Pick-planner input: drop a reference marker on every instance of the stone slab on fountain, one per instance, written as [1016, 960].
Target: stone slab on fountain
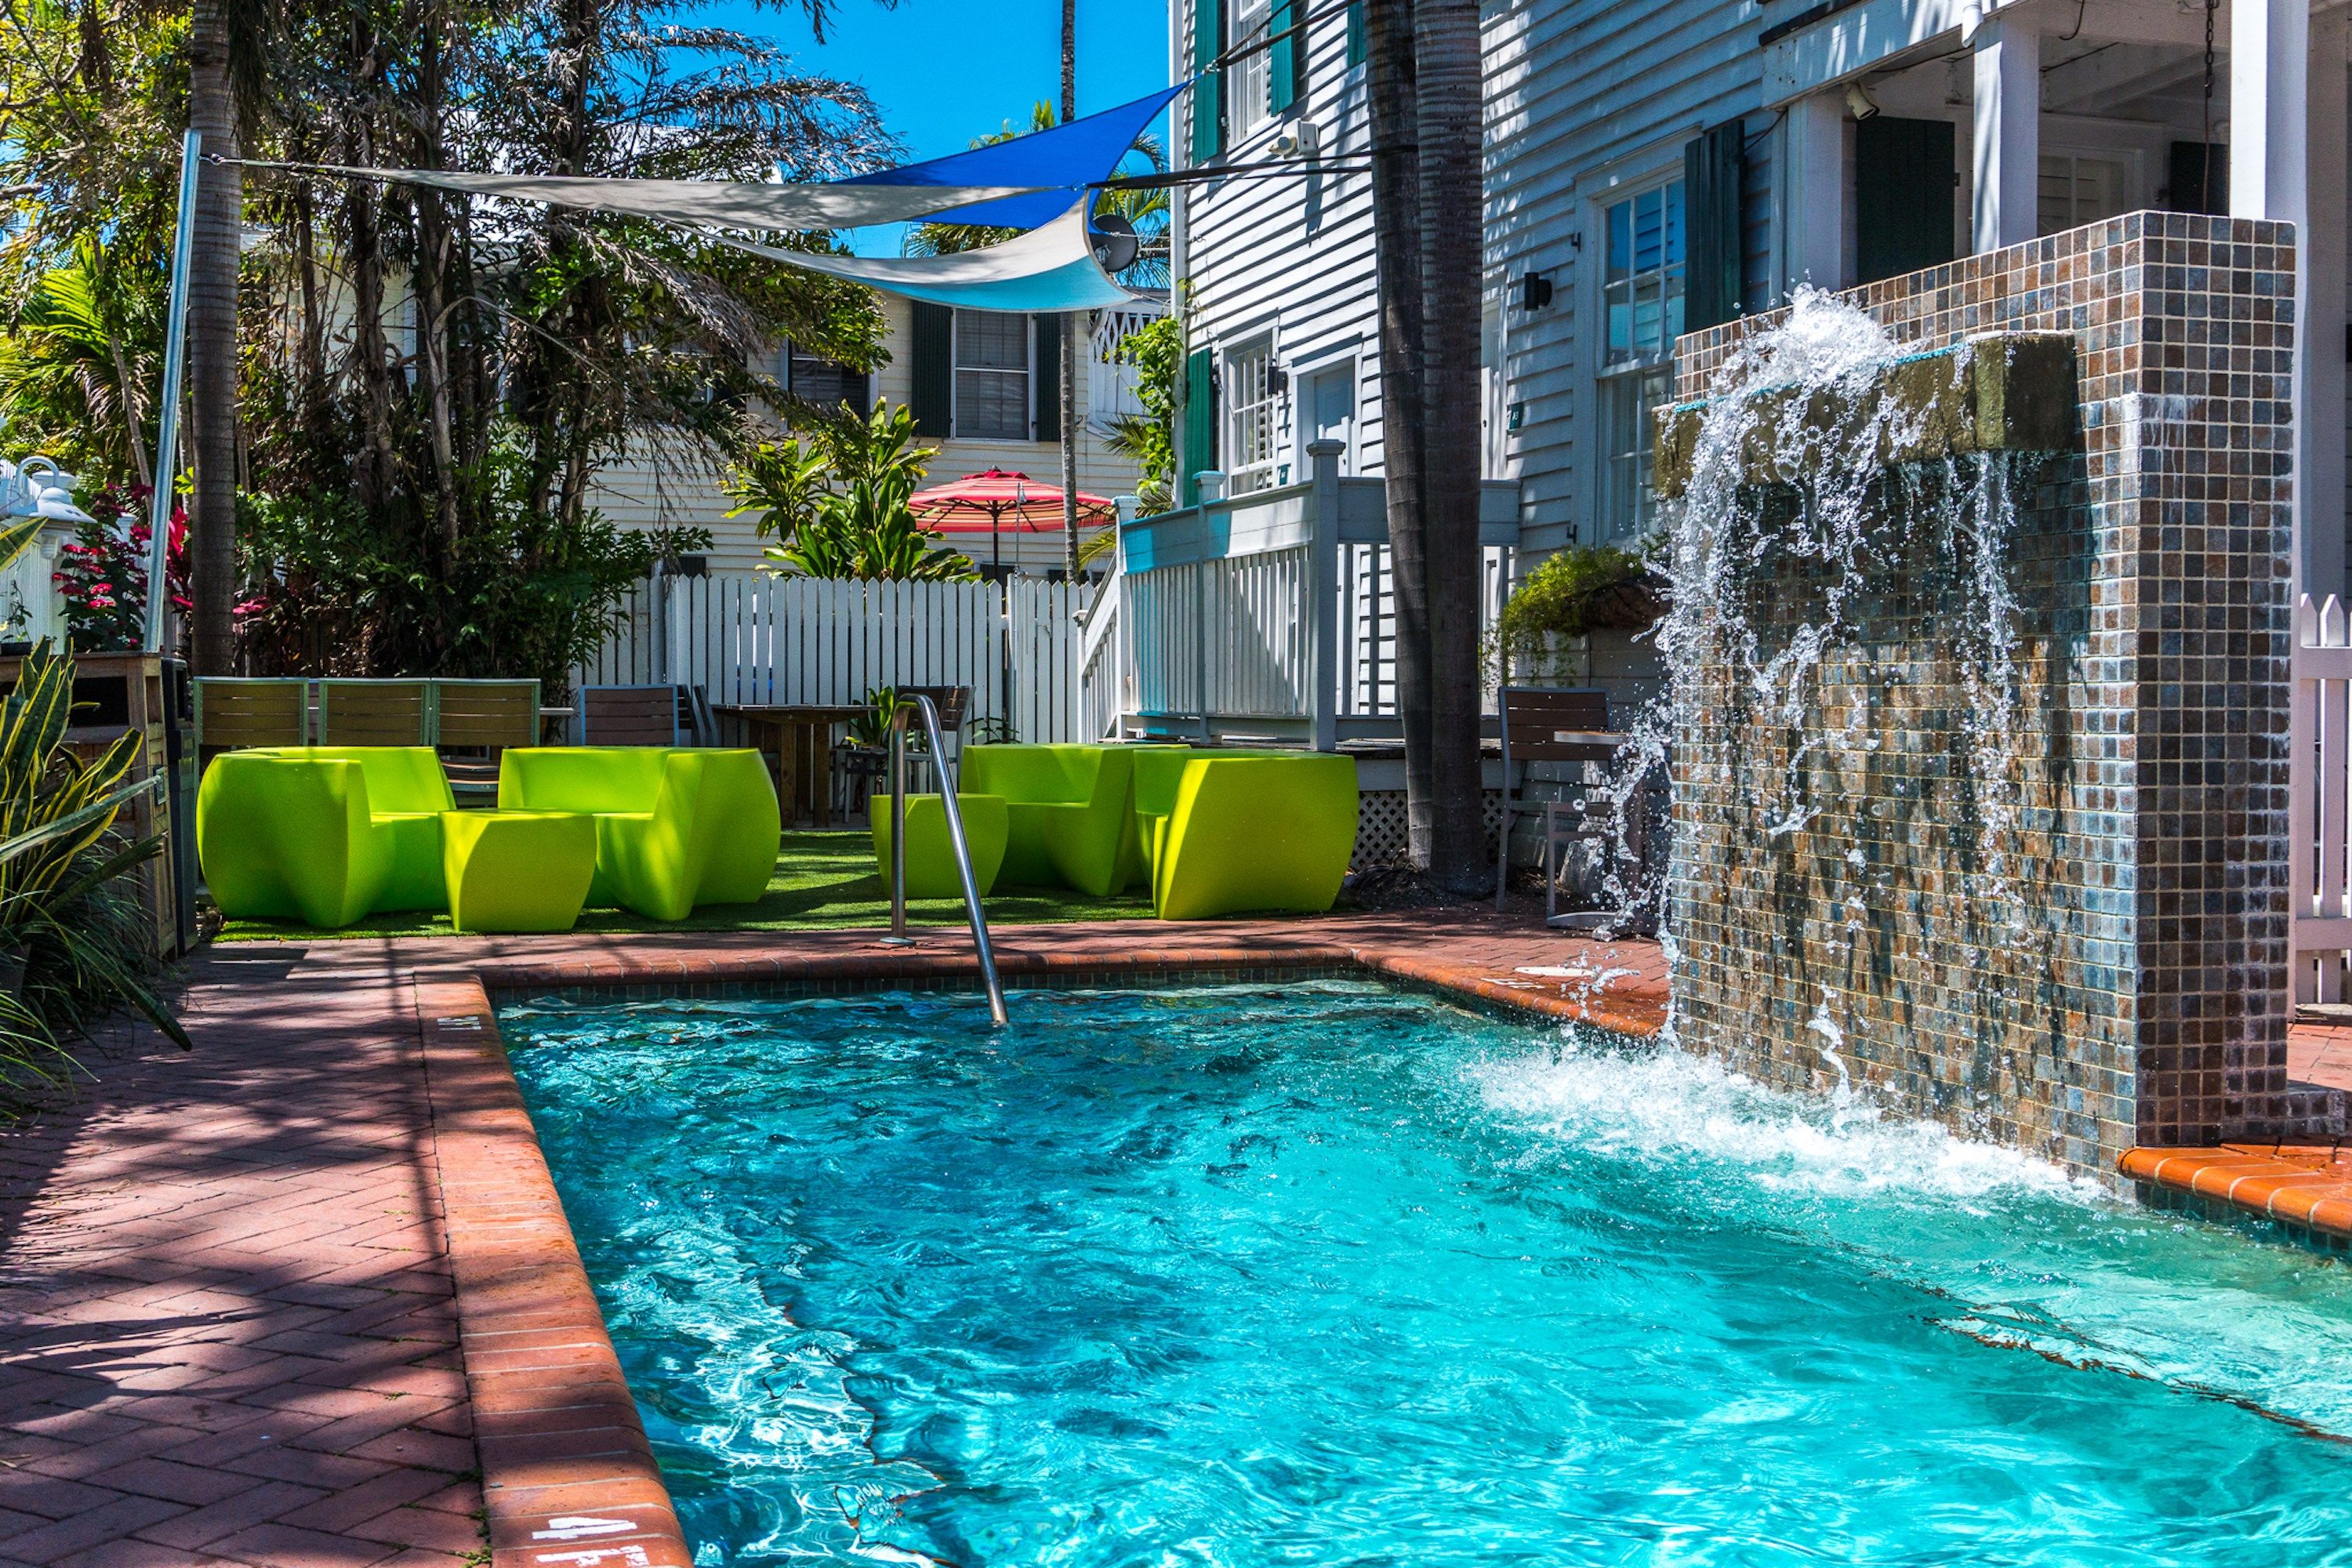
[2011, 392]
[2100, 964]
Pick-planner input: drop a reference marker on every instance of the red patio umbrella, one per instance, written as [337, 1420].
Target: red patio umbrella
[997, 503]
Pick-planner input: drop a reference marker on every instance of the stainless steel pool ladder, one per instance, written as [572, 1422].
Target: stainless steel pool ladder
[917, 703]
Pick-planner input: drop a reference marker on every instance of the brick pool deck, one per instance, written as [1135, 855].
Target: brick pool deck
[306, 1297]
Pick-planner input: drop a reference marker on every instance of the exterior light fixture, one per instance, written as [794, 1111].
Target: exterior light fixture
[1535, 292]
[1858, 101]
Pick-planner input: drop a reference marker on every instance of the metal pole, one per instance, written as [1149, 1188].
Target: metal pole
[898, 823]
[1069, 325]
[167, 430]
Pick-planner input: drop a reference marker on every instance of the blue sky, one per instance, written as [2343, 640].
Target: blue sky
[944, 72]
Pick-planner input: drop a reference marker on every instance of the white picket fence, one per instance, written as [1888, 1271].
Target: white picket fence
[2319, 795]
[750, 637]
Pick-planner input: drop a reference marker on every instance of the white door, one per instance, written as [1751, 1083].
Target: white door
[1331, 415]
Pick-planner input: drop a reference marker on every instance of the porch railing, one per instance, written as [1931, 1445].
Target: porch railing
[1271, 616]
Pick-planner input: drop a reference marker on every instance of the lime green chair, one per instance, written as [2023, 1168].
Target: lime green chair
[1066, 812]
[1157, 769]
[322, 834]
[677, 828]
[517, 870]
[930, 859]
[1268, 832]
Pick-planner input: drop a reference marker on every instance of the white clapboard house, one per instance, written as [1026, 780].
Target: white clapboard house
[1656, 167]
[985, 388]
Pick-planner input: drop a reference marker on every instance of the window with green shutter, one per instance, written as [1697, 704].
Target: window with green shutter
[1359, 48]
[1905, 172]
[931, 370]
[1715, 169]
[1209, 91]
[1049, 377]
[1200, 447]
[1287, 57]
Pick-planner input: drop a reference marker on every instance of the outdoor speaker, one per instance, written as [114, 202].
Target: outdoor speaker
[1115, 244]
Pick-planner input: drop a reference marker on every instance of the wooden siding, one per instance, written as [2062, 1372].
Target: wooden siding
[1289, 256]
[1581, 95]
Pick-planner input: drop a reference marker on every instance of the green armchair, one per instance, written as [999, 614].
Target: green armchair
[323, 833]
[1066, 812]
[676, 828]
[1263, 831]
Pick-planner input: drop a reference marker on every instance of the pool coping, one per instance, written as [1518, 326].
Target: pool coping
[2304, 1189]
[569, 1479]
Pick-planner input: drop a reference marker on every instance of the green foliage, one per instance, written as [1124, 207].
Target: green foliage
[837, 502]
[429, 386]
[1158, 354]
[77, 947]
[1557, 600]
[525, 591]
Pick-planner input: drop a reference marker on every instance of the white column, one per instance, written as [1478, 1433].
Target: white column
[2271, 115]
[2008, 131]
[1814, 236]
[2320, 289]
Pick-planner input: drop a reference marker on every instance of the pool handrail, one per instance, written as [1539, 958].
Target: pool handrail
[915, 703]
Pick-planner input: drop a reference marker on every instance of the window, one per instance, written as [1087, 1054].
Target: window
[991, 376]
[1642, 307]
[823, 381]
[2076, 190]
[1249, 399]
[1252, 75]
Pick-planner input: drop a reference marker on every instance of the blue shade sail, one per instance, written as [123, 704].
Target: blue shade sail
[1067, 158]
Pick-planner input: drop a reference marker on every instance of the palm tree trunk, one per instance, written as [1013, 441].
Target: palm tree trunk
[1069, 326]
[212, 344]
[1450, 117]
[1396, 246]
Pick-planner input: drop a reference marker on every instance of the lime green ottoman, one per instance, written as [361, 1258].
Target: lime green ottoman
[516, 870]
[930, 859]
[1250, 834]
[1066, 810]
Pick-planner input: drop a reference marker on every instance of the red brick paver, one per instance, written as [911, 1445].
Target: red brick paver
[233, 1286]
[226, 1327]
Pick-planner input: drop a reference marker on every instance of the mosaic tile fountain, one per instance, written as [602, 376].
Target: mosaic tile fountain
[1980, 659]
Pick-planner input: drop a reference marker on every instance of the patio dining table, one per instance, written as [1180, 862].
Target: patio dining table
[797, 739]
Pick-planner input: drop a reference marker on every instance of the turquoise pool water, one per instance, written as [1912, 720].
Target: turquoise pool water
[1328, 1274]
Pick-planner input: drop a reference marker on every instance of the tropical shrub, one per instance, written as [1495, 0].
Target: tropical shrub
[837, 502]
[102, 575]
[73, 946]
[1157, 351]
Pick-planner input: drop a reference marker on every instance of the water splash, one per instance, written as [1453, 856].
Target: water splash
[1791, 530]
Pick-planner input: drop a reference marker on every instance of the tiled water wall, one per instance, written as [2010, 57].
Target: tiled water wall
[2135, 994]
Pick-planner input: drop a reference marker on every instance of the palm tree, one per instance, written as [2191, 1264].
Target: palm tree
[1396, 245]
[1449, 115]
[211, 342]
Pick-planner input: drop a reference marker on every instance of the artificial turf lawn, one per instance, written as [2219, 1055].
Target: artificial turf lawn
[822, 881]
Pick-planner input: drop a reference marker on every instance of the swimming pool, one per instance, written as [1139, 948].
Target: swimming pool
[1329, 1273]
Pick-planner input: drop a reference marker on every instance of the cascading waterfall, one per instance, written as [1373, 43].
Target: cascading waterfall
[1792, 532]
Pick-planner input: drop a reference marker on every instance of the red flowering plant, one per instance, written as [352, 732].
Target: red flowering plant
[102, 574]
